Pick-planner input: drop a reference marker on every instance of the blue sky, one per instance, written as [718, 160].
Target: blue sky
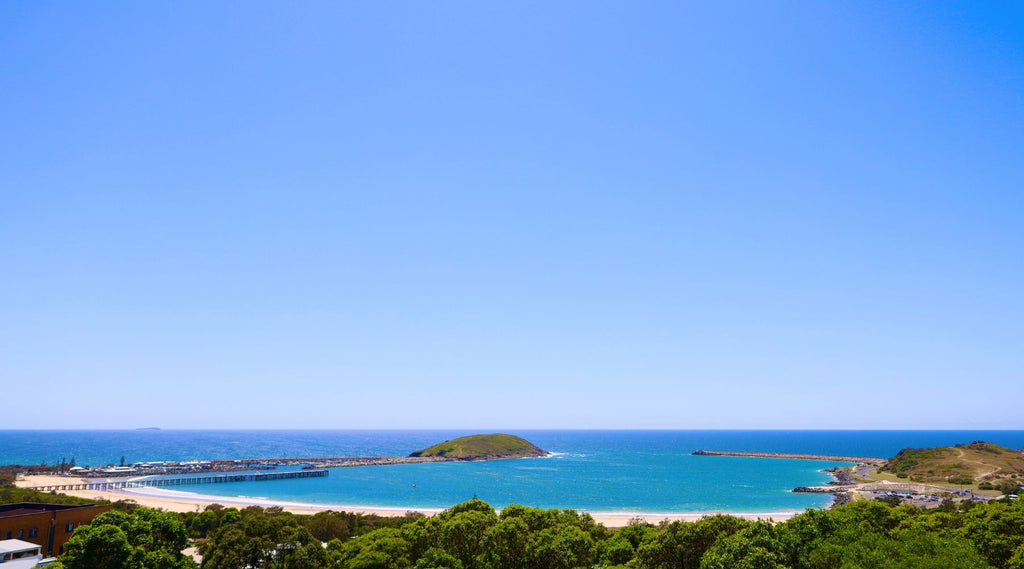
[512, 215]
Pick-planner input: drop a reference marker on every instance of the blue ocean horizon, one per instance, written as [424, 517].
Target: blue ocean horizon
[593, 470]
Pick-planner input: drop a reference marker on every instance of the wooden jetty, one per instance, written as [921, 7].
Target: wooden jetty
[325, 461]
[183, 480]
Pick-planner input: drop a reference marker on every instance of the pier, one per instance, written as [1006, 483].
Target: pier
[870, 460]
[326, 461]
[182, 480]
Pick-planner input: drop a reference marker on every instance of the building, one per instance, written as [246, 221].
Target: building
[18, 554]
[46, 525]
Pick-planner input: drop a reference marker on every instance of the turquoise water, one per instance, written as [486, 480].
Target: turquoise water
[602, 471]
[593, 482]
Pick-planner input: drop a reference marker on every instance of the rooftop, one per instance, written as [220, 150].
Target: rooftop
[16, 546]
[26, 508]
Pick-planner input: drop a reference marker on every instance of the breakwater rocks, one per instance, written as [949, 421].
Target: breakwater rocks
[818, 490]
[840, 494]
[840, 498]
[842, 476]
[872, 460]
[843, 480]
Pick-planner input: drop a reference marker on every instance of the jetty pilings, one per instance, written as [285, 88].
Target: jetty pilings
[183, 480]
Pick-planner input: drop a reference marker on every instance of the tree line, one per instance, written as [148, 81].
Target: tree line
[472, 535]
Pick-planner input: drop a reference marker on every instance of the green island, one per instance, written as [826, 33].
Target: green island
[483, 447]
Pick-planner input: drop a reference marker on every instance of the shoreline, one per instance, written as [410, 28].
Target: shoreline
[179, 501]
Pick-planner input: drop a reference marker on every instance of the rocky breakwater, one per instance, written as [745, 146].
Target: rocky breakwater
[869, 460]
[842, 479]
[840, 494]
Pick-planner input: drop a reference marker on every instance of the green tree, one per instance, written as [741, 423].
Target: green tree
[804, 533]
[534, 518]
[98, 547]
[422, 536]
[381, 549]
[153, 538]
[682, 545]
[309, 556]
[437, 559]
[167, 531]
[996, 529]
[462, 533]
[229, 516]
[561, 547]
[292, 548]
[505, 544]
[755, 547]
[1017, 561]
[231, 548]
[202, 524]
[615, 552]
[326, 526]
[914, 549]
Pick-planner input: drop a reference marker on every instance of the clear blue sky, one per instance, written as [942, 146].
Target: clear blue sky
[512, 215]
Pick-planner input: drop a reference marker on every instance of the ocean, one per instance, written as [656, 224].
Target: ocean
[597, 471]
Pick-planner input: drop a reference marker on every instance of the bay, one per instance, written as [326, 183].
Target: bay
[600, 471]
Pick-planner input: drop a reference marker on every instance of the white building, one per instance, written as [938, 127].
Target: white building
[17, 554]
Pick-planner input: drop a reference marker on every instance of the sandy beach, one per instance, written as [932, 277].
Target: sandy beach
[177, 501]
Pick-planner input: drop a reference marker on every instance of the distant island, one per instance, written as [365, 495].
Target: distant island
[482, 447]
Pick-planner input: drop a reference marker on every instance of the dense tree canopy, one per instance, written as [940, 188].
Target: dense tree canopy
[141, 539]
[472, 535]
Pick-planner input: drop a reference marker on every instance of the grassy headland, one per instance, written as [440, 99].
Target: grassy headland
[973, 463]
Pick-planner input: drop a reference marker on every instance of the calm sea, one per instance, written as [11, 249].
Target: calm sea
[601, 471]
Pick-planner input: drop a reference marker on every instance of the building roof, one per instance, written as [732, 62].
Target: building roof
[24, 508]
[26, 563]
[16, 546]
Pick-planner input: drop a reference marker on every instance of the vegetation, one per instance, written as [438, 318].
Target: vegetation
[863, 534]
[483, 447]
[324, 526]
[142, 539]
[961, 464]
[10, 494]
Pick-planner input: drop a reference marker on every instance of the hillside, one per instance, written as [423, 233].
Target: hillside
[483, 447]
[976, 462]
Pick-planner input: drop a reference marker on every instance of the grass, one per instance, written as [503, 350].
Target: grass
[889, 476]
[480, 447]
[977, 461]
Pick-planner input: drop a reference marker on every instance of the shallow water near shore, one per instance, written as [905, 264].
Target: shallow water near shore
[600, 471]
[592, 482]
